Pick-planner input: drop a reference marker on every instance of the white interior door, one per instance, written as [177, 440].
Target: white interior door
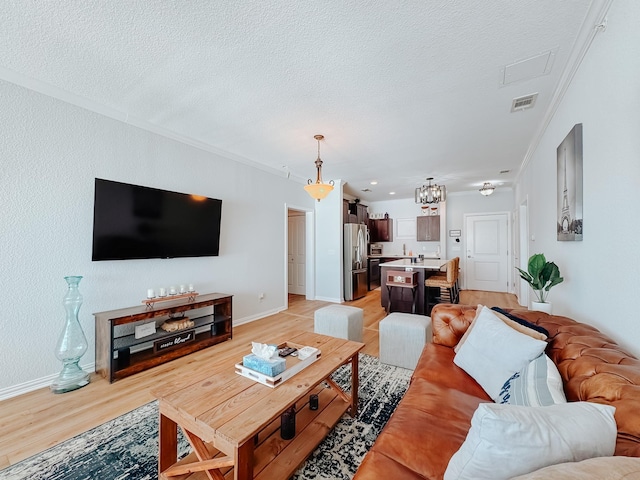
[487, 259]
[296, 264]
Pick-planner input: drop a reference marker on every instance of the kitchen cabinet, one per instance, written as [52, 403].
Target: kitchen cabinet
[360, 211]
[381, 230]
[428, 228]
[345, 211]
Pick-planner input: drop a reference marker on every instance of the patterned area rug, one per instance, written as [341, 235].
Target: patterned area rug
[127, 447]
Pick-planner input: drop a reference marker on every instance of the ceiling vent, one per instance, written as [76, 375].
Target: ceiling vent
[522, 103]
[528, 68]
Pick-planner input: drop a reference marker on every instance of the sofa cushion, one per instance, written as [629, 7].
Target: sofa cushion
[427, 428]
[508, 440]
[493, 352]
[539, 384]
[601, 468]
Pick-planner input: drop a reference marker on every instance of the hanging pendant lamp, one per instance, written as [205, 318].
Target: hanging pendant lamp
[318, 190]
[430, 193]
[487, 189]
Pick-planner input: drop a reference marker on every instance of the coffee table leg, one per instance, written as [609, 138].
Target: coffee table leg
[168, 443]
[353, 410]
[243, 469]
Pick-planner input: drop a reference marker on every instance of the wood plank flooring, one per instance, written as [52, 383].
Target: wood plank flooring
[38, 420]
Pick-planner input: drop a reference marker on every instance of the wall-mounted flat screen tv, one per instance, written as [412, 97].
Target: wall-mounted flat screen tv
[132, 222]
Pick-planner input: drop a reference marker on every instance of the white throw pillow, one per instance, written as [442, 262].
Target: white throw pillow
[539, 384]
[493, 352]
[508, 440]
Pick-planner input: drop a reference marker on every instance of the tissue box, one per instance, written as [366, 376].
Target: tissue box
[271, 367]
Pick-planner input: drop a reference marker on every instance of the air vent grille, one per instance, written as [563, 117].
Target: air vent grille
[522, 103]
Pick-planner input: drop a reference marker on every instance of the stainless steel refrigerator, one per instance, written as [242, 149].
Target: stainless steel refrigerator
[355, 261]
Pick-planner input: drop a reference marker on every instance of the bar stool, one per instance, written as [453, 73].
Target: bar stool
[447, 284]
[442, 274]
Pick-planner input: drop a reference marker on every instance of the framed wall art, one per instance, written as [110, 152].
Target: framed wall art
[569, 174]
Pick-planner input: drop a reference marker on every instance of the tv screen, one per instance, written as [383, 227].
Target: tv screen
[131, 222]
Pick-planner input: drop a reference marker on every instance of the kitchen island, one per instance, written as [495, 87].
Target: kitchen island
[402, 298]
[375, 260]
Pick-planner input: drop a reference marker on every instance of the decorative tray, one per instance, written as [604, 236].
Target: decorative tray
[294, 365]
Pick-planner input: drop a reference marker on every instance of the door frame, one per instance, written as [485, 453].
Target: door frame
[310, 264]
[523, 244]
[509, 244]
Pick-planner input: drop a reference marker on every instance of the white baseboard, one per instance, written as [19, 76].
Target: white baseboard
[31, 385]
[328, 299]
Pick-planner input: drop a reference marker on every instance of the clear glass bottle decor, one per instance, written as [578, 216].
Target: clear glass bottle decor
[72, 343]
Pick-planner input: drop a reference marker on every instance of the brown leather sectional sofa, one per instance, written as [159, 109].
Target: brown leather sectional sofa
[432, 420]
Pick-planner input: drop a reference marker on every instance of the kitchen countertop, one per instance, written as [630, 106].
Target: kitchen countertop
[427, 263]
[427, 257]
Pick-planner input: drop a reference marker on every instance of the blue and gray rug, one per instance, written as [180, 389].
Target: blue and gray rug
[127, 447]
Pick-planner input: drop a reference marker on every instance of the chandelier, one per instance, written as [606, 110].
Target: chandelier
[431, 193]
[487, 189]
[318, 190]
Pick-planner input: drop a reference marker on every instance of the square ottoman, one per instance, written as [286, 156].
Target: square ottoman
[339, 321]
[402, 338]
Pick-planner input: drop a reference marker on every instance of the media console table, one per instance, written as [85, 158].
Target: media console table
[120, 354]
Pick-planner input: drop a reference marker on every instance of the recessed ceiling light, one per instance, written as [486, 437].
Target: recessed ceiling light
[392, 193]
[374, 182]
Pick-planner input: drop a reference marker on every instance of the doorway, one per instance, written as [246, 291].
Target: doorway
[299, 246]
[296, 252]
[487, 252]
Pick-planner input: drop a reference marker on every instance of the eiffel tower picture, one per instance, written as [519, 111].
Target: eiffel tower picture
[569, 175]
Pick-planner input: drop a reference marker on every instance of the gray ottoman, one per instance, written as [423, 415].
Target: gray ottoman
[402, 338]
[339, 321]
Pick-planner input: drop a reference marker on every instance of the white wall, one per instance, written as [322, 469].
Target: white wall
[328, 252]
[601, 272]
[51, 153]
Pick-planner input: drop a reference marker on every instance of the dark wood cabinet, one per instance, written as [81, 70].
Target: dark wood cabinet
[360, 211]
[345, 211]
[381, 230]
[428, 228]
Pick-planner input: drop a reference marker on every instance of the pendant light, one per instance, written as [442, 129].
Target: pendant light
[318, 190]
[487, 189]
[431, 193]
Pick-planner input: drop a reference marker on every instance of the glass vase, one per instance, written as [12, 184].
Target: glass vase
[72, 343]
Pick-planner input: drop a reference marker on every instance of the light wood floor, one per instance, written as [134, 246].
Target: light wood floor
[33, 422]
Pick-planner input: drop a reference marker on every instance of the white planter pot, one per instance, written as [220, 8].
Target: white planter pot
[541, 307]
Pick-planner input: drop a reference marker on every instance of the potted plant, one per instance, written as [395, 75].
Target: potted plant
[541, 275]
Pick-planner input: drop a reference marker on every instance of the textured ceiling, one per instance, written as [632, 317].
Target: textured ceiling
[401, 90]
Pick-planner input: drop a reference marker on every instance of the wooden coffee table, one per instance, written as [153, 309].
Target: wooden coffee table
[233, 422]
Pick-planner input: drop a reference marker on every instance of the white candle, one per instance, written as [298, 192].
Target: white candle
[151, 293]
[183, 289]
[172, 290]
[191, 289]
[163, 292]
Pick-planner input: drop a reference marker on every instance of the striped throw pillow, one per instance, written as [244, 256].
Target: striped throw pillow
[539, 384]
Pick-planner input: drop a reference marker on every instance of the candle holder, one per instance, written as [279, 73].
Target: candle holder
[191, 296]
